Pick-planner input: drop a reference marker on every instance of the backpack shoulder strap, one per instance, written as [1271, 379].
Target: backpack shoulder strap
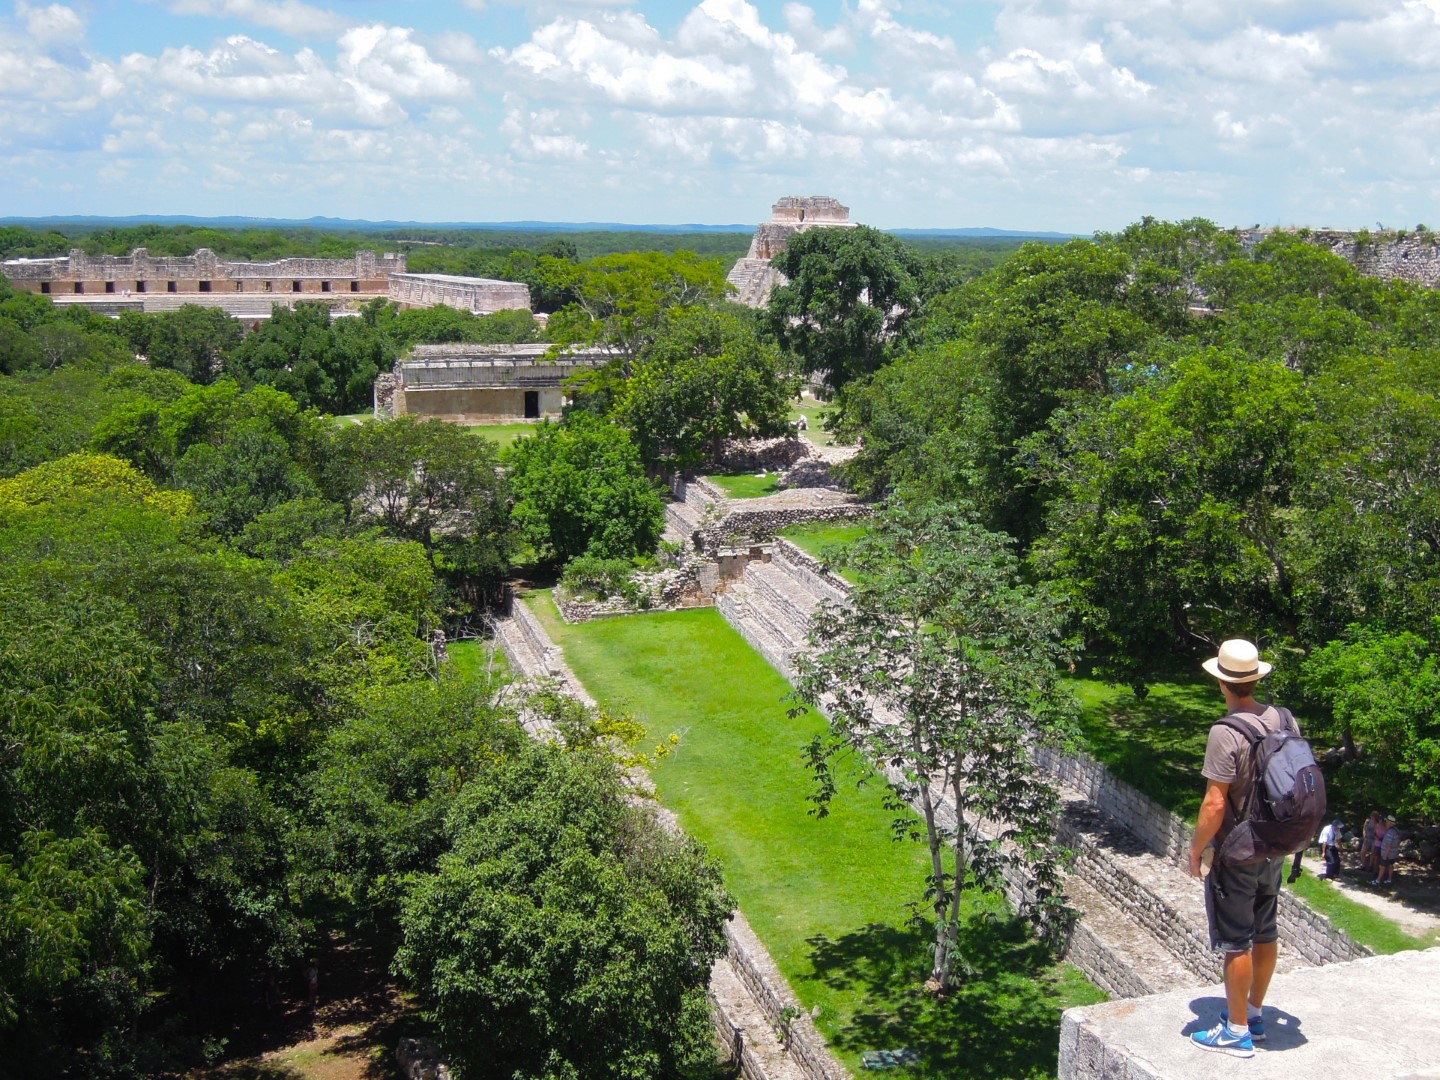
[1244, 726]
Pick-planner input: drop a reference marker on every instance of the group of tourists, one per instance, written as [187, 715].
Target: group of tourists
[1379, 847]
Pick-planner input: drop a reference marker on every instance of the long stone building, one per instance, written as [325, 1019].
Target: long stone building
[753, 277]
[141, 274]
[481, 384]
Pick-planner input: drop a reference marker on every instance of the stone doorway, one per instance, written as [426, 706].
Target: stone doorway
[532, 404]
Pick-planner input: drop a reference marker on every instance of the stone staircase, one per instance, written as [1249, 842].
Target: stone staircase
[1142, 927]
[753, 279]
[687, 515]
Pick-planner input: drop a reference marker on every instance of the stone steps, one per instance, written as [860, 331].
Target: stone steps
[1165, 946]
[736, 607]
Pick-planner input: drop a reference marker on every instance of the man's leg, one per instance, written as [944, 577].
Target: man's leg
[1239, 976]
[1262, 964]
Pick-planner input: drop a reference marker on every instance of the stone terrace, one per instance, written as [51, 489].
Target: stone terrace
[1142, 916]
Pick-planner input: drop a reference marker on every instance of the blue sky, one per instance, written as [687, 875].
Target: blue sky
[1069, 115]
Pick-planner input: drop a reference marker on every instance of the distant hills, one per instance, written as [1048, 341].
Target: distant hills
[353, 225]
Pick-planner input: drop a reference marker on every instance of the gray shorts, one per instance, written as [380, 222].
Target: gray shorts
[1241, 902]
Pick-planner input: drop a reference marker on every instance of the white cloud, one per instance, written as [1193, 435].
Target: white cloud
[800, 19]
[288, 16]
[385, 58]
[53, 25]
[541, 134]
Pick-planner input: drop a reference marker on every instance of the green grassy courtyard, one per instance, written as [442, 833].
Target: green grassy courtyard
[827, 896]
[746, 485]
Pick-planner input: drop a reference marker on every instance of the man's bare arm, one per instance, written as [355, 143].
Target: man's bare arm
[1212, 816]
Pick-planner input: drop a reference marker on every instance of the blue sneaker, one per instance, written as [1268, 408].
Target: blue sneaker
[1257, 1025]
[1220, 1040]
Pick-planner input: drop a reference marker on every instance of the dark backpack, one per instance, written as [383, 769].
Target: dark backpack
[1286, 801]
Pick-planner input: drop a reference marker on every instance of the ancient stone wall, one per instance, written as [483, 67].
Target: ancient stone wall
[202, 272]
[1391, 256]
[478, 295]
[741, 526]
[384, 396]
[665, 590]
[469, 384]
[752, 963]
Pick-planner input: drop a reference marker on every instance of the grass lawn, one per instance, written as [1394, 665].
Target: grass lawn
[818, 538]
[502, 435]
[473, 658]
[827, 896]
[821, 540]
[814, 413]
[1158, 745]
[355, 418]
[746, 485]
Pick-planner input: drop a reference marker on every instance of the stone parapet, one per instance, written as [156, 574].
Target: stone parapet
[768, 988]
[741, 526]
[481, 296]
[202, 272]
[1320, 1022]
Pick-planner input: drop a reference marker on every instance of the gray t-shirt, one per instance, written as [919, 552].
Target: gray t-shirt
[1227, 760]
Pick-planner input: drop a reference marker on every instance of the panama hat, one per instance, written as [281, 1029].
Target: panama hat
[1238, 662]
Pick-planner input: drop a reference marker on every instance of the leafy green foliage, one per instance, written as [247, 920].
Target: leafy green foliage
[430, 482]
[566, 934]
[1381, 694]
[330, 365]
[1172, 509]
[705, 377]
[848, 301]
[580, 489]
[193, 340]
[943, 669]
[621, 300]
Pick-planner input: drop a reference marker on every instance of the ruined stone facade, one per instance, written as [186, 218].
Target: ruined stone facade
[753, 277]
[1390, 256]
[480, 296]
[140, 274]
[481, 384]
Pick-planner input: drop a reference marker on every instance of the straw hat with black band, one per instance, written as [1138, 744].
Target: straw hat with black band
[1239, 662]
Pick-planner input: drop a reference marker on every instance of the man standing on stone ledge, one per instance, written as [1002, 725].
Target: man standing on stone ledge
[1240, 901]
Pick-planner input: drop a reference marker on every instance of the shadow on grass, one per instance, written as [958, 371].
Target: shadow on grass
[1158, 744]
[1003, 1021]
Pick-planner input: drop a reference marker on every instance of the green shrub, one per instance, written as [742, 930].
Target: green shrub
[592, 577]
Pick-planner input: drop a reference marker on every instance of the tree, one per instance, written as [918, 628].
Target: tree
[388, 776]
[320, 363]
[565, 934]
[846, 305]
[1381, 694]
[943, 670]
[580, 489]
[249, 473]
[1363, 539]
[431, 482]
[192, 340]
[621, 299]
[1168, 510]
[706, 377]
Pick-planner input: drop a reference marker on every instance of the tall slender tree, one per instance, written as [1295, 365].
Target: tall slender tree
[942, 670]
